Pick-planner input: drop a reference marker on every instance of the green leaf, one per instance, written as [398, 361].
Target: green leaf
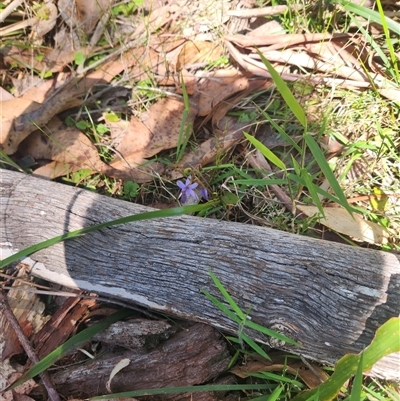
[312, 190]
[131, 189]
[79, 58]
[255, 346]
[177, 211]
[386, 341]
[370, 15]
[227, 297]
[261, 181]
[357, 384]
[4, 158]
[265, 151]
[324, 166]
[222, 307]
[228, 198]
[271, 333]
[69, 345]
[82, 125]
[186, 389]
[284, 90]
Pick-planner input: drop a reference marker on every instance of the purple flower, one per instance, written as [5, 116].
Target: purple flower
[189, 194]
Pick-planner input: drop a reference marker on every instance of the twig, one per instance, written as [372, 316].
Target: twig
[262, 12]
[9, 9]
[5, 307]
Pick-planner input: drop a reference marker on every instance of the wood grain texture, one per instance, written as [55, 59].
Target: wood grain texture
[329, 297]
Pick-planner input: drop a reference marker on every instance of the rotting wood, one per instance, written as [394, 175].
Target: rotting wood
[329, 297]
[193, 356]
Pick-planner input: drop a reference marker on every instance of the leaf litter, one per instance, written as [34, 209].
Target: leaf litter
[168, 44]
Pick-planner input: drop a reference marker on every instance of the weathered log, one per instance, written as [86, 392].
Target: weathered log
[329, 297]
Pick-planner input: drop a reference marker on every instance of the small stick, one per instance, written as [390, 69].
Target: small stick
[8, 313]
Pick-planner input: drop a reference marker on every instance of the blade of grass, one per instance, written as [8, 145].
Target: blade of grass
[324, 166]
[187, 389]
[255, 346]
[7, 160]
[284, 90]
[269, 332]
[279, 129]
[369, 14]
[385, 342]
[265, 151]
[185, 129]
[358, 379]
[261, 181]
[221, 307]
[389, 43]
[137, 217]
[311, 189]
[71, 344]
[227, 297]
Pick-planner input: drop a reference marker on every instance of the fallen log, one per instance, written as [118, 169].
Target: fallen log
[328, 297]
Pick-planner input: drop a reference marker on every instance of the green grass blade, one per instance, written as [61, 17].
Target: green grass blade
[265, 151]
[261, 181]
[369, 14]
[275, 394]
[227, 297]
[7, 160]
[269, 332]
[71, 344]
[186, 389]
[284, 90]
[129, 219]
[255, 346]
[321, 191]
[357, 384]
[389, 42]
[279, 129]
[324, 166]
[222, 307]
[185, 129]
[312, 190]
[385, 342]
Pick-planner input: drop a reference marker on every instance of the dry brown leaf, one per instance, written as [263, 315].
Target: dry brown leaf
[11, 137]
[23, 116]
[54, 170]
[205, 153]
[146, 62]
[47, 18]
[213, 90]
[41, 24]
[27, 308]
[62, 144]
[126, 170]
[42, 90]
[339, 219]
[41, 58]
[83, 14]
[157, 130]
[269, 28]
[312, 378]
[323, 61]
[276, 42]
[5, 95]
[197, 52]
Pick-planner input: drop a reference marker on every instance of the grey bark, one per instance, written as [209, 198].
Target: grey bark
[329, 297]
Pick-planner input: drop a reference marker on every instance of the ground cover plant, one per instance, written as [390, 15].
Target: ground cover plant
[282, 115]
